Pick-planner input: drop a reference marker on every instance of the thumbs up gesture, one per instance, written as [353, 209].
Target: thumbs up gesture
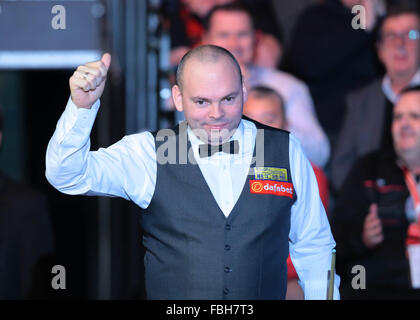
[88, 81]
[372, 228]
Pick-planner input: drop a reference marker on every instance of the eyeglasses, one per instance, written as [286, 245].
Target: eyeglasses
[391, 37]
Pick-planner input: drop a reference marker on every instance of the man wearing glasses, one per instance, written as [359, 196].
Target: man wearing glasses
[369, 111]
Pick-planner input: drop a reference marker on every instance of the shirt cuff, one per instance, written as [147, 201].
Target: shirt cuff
[76, 111]
[75, 118]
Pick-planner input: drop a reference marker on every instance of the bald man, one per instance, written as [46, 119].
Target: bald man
[224, 198]
[266, 105]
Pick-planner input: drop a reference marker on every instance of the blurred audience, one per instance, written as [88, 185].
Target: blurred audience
[231, 26]
[25, 239]
[375, 208]
[266, 106]
[187, 19]
[332, 57]
[287, 13]
[369, 110]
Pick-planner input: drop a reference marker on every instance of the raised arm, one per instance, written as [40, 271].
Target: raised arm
[126, 169]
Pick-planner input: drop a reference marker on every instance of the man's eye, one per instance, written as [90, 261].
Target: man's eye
[415, 116]
[200, 102]
[229, 99]
[244, 34]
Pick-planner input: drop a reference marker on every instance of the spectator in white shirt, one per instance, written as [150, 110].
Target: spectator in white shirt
[231, 26]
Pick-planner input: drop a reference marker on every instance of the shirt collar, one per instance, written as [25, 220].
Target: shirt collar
[387, 88]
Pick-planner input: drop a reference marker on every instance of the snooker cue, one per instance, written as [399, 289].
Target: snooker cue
[331, 280]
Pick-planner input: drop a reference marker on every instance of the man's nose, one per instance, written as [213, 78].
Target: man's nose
[400, 41]
[404, 122]
[232, 43]
[216, 111]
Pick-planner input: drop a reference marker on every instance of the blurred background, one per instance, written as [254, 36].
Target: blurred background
[98, 240]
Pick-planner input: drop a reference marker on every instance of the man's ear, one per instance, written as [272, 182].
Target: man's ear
[177, 96]
[244, 93]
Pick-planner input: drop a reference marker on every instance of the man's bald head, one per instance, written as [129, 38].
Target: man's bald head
[210, 92]
[266, 105]
[205, 54]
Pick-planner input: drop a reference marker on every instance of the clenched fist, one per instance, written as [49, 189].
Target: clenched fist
[88, 81]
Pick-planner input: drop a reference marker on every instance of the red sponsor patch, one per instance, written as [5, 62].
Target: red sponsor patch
[271, 187]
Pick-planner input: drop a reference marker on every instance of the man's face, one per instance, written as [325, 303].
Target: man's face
[406, 125]
[212, 99]
[234, 32]
[266, 110]
[399, 49]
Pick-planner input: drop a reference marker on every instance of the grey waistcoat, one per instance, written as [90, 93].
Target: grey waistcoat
[194, 252]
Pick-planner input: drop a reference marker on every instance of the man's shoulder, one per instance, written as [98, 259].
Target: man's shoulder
[139, 137]
[373, 88]
[268, 129]
[176, 129]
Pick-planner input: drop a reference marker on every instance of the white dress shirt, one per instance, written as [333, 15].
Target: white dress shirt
[128, 169]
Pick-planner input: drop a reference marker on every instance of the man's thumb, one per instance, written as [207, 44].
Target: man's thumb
[373, 208]
[106, 59]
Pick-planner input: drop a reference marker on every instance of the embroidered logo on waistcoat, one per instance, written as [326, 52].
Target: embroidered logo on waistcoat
[271, 187]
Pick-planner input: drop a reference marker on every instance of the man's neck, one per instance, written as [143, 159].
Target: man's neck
[415, 170]
[413, 165]
[400, 81]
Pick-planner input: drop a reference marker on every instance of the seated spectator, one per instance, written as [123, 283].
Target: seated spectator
[25, 240]
[375, 208]
[332, 58]
[266, 106]
[231, 26]
[186, 29]
[186, 25]
[369, 110]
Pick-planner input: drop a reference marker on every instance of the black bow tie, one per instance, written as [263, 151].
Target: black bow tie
[207, 150]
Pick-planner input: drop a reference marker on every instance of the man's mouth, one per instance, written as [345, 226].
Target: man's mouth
[406, 134]
[216, 126]
[400, 57]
